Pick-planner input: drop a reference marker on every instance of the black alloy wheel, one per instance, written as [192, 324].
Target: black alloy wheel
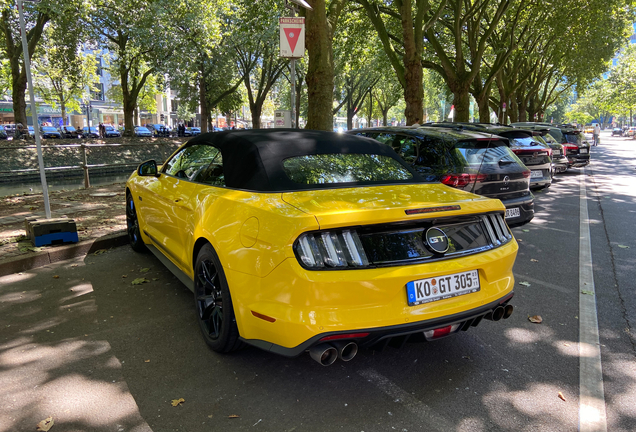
[132, 223]
[214, 304]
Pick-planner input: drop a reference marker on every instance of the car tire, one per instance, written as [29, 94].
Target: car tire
[132, 224]
[213, 303]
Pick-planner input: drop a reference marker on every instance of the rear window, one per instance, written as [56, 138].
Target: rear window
[485, 152]
[344, 168]
[574, 138]
[523, 142]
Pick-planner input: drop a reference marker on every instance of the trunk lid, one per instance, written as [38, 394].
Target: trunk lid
[383, 204]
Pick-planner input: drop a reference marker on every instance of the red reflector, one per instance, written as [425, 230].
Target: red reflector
[442, 331]
[344, 336]
[263, 317]
[526, 174]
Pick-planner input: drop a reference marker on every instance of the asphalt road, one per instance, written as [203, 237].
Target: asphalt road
[100, 354]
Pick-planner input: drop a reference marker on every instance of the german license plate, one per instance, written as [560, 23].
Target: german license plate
[583, 151]
[536, 174]
[557, 152]
[442, 287]
[513, 212]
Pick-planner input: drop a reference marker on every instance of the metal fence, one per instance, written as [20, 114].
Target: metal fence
[21, 161]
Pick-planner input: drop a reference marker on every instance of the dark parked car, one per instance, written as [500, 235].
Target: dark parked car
[111, 132]
[559, 160]
[93, 133]
[617, 132]
[533, 153]
[3, 133]
[192, 131]
[49, 132]
[472, 161]
[141, 131]
[576, 146]
[158, 130]
[68, 132]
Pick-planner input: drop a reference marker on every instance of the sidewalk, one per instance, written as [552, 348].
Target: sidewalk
[99, 213]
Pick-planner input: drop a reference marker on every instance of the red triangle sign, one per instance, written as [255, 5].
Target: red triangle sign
[292, 35]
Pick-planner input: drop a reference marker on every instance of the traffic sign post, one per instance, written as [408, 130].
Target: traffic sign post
[292, 45]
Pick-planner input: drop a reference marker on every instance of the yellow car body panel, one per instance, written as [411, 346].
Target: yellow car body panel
[253, 234]
[383, 204]
[306, 303]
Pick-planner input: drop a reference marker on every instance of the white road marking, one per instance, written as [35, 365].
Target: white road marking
[592, 416]
[432, 420]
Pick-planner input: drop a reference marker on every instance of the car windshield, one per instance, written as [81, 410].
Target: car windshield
[93, 129]
[142, 129]
[344, 168]
[48, 129]
[109, 128]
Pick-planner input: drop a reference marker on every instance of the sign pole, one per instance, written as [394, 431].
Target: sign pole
[34, 114]
[293, 93]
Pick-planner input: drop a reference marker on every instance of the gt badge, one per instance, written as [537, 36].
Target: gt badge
[436, 240]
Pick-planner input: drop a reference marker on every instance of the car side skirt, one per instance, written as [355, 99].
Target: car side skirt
[383, 336]
[176, 271]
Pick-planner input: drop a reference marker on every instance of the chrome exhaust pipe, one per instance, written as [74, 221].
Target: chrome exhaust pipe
[508, 311]
[324, 354]
[347, 350]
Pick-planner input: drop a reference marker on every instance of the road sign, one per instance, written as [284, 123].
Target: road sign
[292, 37]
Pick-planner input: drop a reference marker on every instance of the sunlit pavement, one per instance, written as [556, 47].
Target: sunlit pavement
[100, 354]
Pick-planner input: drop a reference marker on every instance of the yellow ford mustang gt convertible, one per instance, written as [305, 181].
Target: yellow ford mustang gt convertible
[296, 241]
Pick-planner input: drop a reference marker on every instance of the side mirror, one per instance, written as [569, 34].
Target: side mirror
[148, 168]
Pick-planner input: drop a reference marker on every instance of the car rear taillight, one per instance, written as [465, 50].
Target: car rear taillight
[541, 152]
[570, 147]
[331, 249]
[461, 180]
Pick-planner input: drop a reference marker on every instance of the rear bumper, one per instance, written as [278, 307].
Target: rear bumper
[305, 306]
[396, 336]
[526, 209]
[578, 160]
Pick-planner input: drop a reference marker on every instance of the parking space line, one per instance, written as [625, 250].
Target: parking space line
[592, 415]
[432, 420]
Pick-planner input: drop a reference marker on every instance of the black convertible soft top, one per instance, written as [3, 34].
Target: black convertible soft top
[253, 159]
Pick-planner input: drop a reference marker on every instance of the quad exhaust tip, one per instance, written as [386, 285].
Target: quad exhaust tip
[347, 350]
[324, 354]
[500, 312]
[327, 354]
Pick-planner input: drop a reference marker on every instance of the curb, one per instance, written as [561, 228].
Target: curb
[61, 253]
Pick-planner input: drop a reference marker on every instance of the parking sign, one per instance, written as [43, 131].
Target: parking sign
[292, 37]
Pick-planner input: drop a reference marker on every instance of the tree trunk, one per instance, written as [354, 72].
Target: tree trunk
[385, 117]
[19, 100]
[514, 109]
[319, 43]
[256, 109]
[370, 113]
[413, 72]
[461, 100]
[63, 110]
[203, 101]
